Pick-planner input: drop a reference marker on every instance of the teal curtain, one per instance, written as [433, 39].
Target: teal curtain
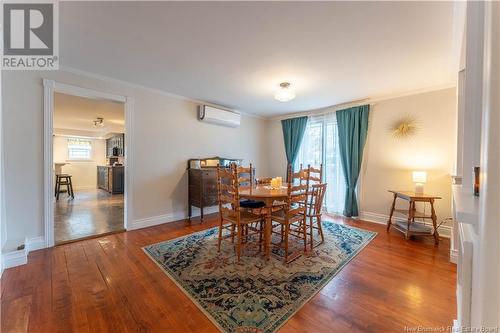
[293, 133]
[352, 128]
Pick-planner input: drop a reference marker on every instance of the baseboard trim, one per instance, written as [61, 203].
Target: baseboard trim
[454, 256]
[14, 258]
[35, 243]
[375, 217]
[444, 230]
[167, 218]
[155, 220]
[20, 257]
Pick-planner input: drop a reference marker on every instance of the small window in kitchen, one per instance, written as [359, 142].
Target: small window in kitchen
[79, 149]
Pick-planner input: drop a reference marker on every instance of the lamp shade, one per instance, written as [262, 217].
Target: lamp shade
[419, 177]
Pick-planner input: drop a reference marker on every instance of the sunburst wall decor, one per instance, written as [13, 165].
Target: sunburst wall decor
[404, 127]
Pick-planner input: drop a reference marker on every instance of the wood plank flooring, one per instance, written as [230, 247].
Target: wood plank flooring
[108, 284]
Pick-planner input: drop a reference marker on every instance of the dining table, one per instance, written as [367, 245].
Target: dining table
[269, 196]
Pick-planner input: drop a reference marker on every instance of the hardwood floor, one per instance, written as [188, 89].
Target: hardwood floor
[108, 284]
[91, 212]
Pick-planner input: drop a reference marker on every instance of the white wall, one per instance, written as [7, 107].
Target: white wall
[166, 134]
[84, 173]
[3, 224]
[276, 149]
[387, 162]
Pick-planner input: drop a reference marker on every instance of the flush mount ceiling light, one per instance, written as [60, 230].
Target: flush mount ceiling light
[99, 122]
[285, 92]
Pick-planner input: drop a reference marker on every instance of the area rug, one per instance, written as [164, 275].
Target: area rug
[255, 295]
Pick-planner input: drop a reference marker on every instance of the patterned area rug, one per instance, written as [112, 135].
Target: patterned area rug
[256, 295]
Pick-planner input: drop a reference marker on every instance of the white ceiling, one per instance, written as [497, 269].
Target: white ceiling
[75, 115]
[236, 53]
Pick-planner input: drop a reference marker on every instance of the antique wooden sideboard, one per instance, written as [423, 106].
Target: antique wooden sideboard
[202, 182]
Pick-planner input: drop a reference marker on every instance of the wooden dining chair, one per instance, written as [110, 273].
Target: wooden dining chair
[246, 180]
[314, 206]
[291, 220]
[241, 224]
[314, 175]
[245, 175]
[299, 176]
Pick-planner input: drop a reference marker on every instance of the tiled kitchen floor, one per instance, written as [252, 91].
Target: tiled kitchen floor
[92, 212]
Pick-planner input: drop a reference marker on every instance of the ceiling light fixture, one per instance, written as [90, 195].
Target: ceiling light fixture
[285, 92]
[99, 122]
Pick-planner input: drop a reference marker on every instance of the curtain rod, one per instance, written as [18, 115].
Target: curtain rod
[328, 109]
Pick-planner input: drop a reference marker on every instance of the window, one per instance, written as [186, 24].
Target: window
[321, 146]
[79, 149]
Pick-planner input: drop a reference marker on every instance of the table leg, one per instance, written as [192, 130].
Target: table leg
[268, 232]
[411, 212]
[268, 227]
[434, 223]
[392, 212]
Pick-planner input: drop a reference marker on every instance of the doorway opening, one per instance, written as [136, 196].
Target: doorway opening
[87, 162]
[89, 173]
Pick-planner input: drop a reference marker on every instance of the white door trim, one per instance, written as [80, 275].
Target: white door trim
[49, 88]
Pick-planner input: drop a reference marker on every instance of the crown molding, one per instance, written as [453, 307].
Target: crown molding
[368, 100]
[108, 79]
[330, 108]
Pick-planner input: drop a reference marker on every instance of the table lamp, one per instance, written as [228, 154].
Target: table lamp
[419, 178]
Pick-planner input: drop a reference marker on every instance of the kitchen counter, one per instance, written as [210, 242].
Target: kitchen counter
[111, 178]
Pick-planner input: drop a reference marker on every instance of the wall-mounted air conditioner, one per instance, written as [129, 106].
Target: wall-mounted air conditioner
[210, 114]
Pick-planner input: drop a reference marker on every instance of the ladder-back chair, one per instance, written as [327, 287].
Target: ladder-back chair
[240, 223]
[313, 213]
[292, 218]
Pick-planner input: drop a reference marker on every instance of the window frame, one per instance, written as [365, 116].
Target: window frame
[72, 147]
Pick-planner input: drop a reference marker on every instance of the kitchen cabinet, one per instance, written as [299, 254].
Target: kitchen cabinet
[111, 178]
[117, 141]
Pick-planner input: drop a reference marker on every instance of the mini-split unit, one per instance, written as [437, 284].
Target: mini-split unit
[213, 115]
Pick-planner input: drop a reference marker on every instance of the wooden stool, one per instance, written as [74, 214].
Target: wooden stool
[411, 213]
[61, 180]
